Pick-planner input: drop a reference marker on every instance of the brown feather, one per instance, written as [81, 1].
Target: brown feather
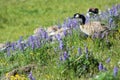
[92, 27]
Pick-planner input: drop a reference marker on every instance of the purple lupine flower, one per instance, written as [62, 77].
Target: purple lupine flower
[79, 51]
[39, 32]
[37, 42]
[74, 23]
[105, 15]
[110, 12]
[31, 42]
[115, 71]
[87, 19]
[115, 11]
[58, 37]
[70, 23]
[65, 55]
[65, 32]
[42, 34]
[20, 45]
[46, 35]
[13, 46]
[61, 58]
[61, 45]
[108, 60]
[100, 67]
[8, 51]
[110, 22]
[30, 76]
[118, 7]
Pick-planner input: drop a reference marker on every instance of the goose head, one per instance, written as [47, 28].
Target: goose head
[80, 17]
[92, 12]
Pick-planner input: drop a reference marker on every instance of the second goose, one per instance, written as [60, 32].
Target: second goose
[91, 27]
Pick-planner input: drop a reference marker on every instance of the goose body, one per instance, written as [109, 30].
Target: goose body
[52, 29]
[91, 27]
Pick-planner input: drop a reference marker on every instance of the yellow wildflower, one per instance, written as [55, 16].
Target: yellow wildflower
[17, 76]
[7, 74]
[12, 78]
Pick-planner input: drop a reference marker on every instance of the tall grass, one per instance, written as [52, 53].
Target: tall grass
[21, 17]
[74, 57]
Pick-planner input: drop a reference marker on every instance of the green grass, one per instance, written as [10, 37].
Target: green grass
[21, 17]
[48, 65]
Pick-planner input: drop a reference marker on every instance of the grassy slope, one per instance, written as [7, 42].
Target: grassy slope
[21, 17]
[31, 17]
[47, 61]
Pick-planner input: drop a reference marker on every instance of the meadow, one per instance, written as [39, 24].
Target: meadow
[75, 57]
[21, 17]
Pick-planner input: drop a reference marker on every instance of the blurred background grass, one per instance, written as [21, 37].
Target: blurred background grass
[21, 17]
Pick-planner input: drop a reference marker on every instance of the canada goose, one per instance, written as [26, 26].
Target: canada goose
[52, 29]
[93, 12]
[91, 27]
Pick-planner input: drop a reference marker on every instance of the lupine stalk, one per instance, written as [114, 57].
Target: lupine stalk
[58, 37]
[61, 45]
[100, 67]
[115, 71]
[30, 76]
[65, 55]
[8, 51]
[108, 60]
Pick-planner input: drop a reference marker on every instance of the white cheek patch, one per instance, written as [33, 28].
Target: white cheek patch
[77, 16]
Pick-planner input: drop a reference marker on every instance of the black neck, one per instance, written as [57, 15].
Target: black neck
[83, 19]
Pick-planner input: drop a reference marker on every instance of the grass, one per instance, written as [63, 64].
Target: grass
[20, 18]
[47, 59]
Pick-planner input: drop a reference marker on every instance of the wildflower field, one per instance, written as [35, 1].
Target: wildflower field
[72, 57]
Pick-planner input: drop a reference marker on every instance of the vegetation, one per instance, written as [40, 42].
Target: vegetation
[71, 58]
[21, 17]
